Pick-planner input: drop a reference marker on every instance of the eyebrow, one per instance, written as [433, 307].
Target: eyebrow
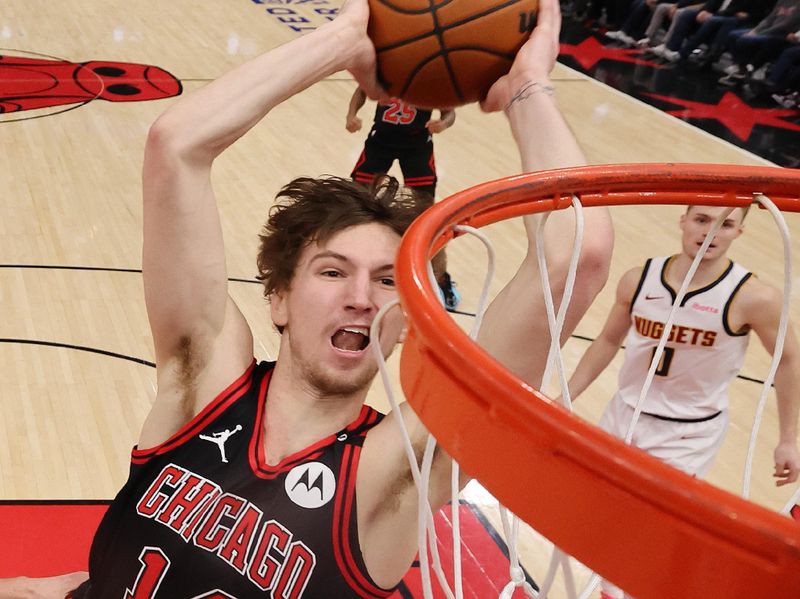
[328, 254]
[342, 258]
[728, 219]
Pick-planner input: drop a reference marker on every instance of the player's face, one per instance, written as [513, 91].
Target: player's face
[696, 224]
[337, 290]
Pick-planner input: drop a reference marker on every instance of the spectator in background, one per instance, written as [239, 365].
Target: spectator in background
[762, 43]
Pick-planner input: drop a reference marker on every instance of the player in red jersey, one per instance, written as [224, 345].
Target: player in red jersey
[253, 478]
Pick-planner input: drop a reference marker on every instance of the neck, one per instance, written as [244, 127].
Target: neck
[707, 271]
[298, 414]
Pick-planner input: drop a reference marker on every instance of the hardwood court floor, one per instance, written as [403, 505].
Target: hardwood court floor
[75, 350]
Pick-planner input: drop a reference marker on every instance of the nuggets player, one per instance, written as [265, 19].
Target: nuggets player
[685, 417]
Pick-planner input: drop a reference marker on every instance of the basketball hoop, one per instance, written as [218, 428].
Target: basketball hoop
[696, 540]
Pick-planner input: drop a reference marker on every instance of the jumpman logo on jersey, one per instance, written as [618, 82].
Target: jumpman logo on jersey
[221, 438]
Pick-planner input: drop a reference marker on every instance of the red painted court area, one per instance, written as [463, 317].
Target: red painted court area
[53, 537]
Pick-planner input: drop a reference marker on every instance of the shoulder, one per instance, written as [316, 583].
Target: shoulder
[633, 274]
[755, 295]
[756, 300]
[629, 282]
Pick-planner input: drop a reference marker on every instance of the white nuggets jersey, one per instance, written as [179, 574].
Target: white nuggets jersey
[702, 354]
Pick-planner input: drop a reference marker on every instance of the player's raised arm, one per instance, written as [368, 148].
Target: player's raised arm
[385, 531]
[515, 330]
[201, 340]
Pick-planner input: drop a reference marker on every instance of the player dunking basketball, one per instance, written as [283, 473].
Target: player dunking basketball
[316, 500]
[685, 413]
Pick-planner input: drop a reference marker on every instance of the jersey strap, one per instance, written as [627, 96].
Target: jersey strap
[223, 401]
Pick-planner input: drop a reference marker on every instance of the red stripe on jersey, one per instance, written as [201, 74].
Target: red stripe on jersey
[361, 160]
[366, 416]
[426, 178]
[219, 404]
[342, 512]
[258, 461]
[371, 418]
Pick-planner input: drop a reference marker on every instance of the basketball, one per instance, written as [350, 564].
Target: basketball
[445, 53]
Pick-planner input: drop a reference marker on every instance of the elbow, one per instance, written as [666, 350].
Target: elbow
[164, 142]
[593, 266]
[596, 250]
[170, 139]
[595, 261]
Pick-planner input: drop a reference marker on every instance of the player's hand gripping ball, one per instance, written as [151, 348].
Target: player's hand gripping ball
[445, 53]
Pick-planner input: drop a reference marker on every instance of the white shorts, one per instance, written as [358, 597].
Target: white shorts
[687, 446]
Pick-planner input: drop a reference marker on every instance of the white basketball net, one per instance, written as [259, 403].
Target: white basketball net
[559, 559]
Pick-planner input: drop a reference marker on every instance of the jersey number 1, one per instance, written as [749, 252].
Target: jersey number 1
[666, 361]
[154, 566]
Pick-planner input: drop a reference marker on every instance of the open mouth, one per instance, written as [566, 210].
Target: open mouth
[351, 339]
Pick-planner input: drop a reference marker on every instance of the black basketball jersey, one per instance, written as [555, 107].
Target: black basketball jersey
[398, 124]
[203, 515]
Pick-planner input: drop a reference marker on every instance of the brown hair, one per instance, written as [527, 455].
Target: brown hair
[310, 210]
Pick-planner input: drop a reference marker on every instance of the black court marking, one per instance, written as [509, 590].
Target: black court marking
[92, 350]
[232, 279]
[104, 269]
[139, 270]
[461, 312]
[41, 116]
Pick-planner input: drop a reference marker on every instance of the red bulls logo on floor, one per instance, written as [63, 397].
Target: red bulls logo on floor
[31, 83]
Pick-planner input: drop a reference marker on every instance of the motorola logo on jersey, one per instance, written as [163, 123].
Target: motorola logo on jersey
[310, 485]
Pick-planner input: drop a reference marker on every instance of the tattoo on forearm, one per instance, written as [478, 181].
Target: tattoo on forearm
[529, 89]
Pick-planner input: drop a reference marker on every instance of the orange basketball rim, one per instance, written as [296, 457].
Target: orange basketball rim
[654, 531]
